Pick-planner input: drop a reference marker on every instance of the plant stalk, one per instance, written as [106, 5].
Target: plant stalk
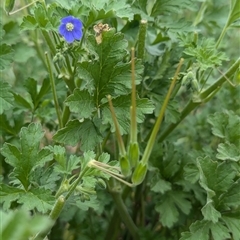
[157, 125]
[125, 215]
[58, 111]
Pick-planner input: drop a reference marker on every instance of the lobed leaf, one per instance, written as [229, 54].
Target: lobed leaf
[228, 151]
[6, 97]
[6, 56]
[169, 205]
[75, 132]
[28, 157]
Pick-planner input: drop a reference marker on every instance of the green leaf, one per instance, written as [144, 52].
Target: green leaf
[226, 125]
[215, 178]
[2, 31]
[31, 85]
[158, 184]
[64, 165]
[8, 195]
[6, 56]
[228, 151]
[191, 173]
[29, 23]
[23, 102]
[92, 202]
[106, 9]
[169, 205]
[40, 199]
[210, 213]
[200, 230]
[42, 18]
[6, 97]
[81, 102]
[59, 154]
[234, 12]
[24, 225]
[233, 224]
[11, 126]
[232, 196]
[28, 157]
[108, 74]
[219, 231]
[206, 54]
[79, 132]
[162, 7]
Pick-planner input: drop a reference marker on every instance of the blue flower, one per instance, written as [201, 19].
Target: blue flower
[71, 29]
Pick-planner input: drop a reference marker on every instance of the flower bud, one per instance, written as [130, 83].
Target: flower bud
[139, 173]
[194, 85]
[125, 166]
[133, 154]
[9, 4]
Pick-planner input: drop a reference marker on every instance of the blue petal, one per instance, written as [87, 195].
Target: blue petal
[77, 23]
[77, 33]
[67, 19]
[62, 29]
[69, 37]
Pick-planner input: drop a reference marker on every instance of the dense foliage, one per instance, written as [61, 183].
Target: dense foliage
[120, 120]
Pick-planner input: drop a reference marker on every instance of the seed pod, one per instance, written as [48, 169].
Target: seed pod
[125, 166]
[194, 85]
[57, 208]
[133, 154]
[9, 4]
[187, 79]
[139, 173]
[101, 183]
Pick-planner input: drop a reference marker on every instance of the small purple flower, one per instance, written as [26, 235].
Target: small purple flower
[71, 29]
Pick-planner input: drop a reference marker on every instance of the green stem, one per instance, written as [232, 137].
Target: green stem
[221, 80]
[204, 95]
[54, 214]
[76, 182]
[133, 124]
[38, 48]
[69, 66]
[65, 115]
[224, 29]
[157, 125]
[117, 129]
[113, 228]
[122, 210]
[49, 42]
[141, 38]
[58, 111]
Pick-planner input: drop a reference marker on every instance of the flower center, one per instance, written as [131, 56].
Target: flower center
[69, 27]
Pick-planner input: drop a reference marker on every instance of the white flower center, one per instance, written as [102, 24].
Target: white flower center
[69, 27]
